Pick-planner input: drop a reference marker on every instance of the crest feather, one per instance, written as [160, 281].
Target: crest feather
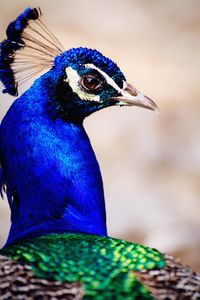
[29, 49]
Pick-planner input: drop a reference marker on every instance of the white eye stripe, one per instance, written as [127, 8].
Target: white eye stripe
[73, 80]
[108, 79]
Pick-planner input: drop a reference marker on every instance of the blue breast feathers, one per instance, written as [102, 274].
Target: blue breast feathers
[52, 176]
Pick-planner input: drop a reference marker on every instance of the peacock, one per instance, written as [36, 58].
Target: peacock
[58, 247]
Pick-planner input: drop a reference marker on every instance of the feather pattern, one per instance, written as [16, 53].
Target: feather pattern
[104, 265]
[173, 282]
[107, 267]
[19, 282]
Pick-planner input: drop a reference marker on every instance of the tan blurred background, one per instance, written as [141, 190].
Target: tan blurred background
[150, 163]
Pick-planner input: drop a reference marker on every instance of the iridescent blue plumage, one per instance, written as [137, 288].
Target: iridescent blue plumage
[58, 186]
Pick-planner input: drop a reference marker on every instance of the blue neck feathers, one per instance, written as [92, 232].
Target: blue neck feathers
[52, 176]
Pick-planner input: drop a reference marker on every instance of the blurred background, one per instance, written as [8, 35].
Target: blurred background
[150, 162]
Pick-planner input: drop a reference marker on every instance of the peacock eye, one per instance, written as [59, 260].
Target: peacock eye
[91, 83]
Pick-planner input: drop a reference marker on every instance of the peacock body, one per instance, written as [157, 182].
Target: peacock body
[58, 246]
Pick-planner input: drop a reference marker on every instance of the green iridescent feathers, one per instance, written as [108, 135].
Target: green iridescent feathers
[104, 265]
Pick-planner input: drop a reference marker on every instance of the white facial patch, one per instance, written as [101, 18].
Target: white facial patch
[108, 79]
[73, 80]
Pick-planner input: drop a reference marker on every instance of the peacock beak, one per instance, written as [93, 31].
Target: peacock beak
[130, 96]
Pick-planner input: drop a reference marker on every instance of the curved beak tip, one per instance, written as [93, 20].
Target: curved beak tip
[150, 104]
[130, 96]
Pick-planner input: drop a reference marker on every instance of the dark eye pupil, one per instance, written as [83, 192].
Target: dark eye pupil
[90, 83]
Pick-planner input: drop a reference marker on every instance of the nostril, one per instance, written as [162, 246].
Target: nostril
[130, 89]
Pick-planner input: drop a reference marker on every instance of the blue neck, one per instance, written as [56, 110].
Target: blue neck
[52, 176]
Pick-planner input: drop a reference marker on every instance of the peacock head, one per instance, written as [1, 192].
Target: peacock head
[86, 80]
[96, 81]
